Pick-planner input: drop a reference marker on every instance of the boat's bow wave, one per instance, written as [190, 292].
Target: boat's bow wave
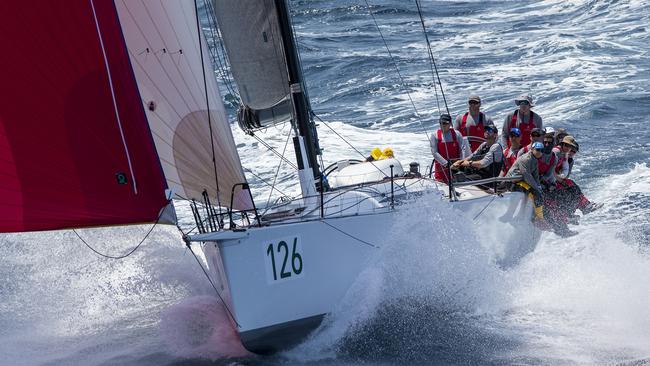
[433, 262]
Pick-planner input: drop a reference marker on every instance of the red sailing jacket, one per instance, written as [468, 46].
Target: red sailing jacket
[524, 127]
[449, 151]
[473, 131]
[509, 158]
[560, 161]
[544, 167]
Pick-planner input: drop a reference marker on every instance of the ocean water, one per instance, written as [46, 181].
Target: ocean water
[582, 300]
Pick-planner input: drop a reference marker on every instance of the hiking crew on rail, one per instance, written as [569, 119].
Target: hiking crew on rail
[543, 159]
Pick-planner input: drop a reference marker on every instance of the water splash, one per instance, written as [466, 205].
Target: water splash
[577, 300]
[427, 272]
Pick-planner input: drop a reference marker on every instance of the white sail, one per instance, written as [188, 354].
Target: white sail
[252, 38]
[165, 45]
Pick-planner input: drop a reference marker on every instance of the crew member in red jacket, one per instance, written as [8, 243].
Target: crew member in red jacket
[472, 123]
[447, 146]
[522, 118]
[510, 153]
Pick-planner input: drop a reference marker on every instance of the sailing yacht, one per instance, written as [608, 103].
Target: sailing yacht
[110, 111]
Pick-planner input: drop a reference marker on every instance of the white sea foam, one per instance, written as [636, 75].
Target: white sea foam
[438, 260]
[581, 299]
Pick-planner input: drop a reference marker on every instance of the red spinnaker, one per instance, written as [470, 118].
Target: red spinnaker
[63, 150]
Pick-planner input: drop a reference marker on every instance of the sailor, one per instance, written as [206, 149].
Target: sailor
[546, 163]
[487, 160]
[536, 135]
[522, 118]
[564, 162]
[569, 194]
[526, 167]
[472, 123]
[510, 153]
[560, 133]
[447, 146]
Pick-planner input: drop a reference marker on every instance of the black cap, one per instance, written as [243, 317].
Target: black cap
[492, 128]
[445, 118]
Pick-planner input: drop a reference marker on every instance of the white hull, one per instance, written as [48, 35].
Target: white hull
[280, 280]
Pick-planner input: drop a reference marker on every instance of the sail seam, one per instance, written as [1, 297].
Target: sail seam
[187, 101]
[117, 113]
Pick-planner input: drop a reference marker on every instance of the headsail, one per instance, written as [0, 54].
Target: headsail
[252, 38]
[165, 44]
[76, 126]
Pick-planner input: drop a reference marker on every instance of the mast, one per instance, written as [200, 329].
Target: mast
[306, 143]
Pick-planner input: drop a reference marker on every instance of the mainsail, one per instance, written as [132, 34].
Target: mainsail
[254, 44]
[100, 114]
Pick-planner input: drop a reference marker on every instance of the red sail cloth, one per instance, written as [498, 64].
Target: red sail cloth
[62, 155]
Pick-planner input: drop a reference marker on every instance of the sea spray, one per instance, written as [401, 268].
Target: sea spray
[431, 267]
[590, 291]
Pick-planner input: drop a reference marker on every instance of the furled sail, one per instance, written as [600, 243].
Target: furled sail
[87, 121]
[166, 48]
[252, 38]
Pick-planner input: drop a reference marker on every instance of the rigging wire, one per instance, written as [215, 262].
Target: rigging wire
[399, 74]
[272, 149]
[207, 103]
[432, 62]
[349, 144]
[434, 73]
[277, 171]
[189, 246]
[350, 235]
[265, 182]
[217, 56]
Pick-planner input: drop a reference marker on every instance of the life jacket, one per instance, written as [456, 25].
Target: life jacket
[544, 166]
[474, 134]
[450, 150]
[560, 160]
[509, 158]
[525, 128]
[522, 151]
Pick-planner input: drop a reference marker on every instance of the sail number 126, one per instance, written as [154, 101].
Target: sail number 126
[284, 259]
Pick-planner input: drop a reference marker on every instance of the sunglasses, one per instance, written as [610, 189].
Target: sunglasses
[548, 142]
[523, 102]
[574, 151]
[514, 135]
[536, 134]
[473, 102]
